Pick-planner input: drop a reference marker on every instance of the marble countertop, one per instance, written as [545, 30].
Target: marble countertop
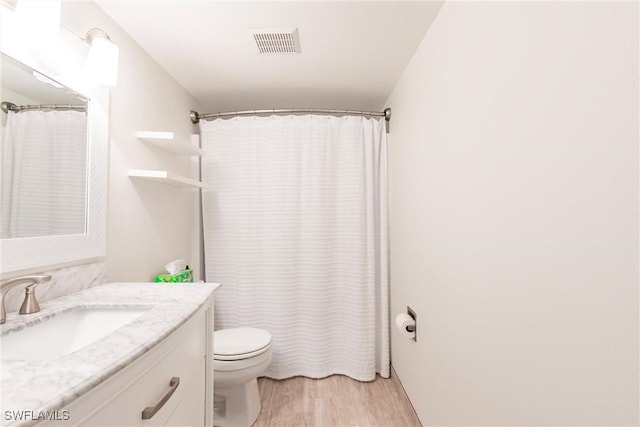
[49, 385]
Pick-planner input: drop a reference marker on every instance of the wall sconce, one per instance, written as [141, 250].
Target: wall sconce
[101, 64]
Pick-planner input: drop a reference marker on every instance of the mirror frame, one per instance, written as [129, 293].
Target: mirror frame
[48, 252]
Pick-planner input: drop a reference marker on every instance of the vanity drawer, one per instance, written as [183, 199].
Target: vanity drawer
[145, 383]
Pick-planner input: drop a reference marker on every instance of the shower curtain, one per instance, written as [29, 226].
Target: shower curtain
[44, 174]
[295, 229]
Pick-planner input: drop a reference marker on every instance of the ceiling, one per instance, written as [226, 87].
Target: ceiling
[352, 55]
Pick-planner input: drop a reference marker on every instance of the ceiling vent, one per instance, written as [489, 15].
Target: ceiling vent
[276, 40]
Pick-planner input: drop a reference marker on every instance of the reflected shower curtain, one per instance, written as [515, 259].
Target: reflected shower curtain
[44, 174]
[295, 229]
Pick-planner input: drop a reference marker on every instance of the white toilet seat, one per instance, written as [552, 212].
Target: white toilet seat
[242, 364]
[240, 343]
[241, 356]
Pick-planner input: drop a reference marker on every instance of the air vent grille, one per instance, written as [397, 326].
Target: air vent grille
[276, 40]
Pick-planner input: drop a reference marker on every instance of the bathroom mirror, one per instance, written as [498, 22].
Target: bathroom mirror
[43, 155]
[85, 239]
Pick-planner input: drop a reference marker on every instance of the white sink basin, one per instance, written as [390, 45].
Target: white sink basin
[65, 332]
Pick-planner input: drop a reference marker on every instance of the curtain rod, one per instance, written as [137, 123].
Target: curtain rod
[10, 106]
[196, 117]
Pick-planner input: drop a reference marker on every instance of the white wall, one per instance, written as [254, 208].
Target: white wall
[514, 215]
[148, 223]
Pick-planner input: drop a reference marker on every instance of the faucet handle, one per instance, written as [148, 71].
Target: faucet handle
[30, 304]
[37, 279]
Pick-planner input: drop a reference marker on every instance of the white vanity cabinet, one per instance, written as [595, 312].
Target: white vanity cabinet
[172, 383]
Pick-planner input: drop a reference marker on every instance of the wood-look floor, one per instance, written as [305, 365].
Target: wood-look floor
[334, 401]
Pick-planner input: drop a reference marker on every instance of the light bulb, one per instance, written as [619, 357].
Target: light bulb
[101, 64]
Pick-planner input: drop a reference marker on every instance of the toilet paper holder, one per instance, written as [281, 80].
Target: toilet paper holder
[413, 328]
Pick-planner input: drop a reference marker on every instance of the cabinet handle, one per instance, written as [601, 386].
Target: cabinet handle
[150, 411]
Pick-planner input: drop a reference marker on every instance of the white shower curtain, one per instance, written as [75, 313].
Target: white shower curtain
[44, 174]
[295, 229]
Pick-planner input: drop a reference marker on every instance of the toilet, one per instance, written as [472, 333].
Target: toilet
[240, 356]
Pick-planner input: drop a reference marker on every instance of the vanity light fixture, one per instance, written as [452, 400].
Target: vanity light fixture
[101, 64]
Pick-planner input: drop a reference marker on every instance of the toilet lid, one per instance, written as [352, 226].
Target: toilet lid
[233, 342]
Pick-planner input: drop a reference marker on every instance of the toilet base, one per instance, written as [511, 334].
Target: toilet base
[237, 406]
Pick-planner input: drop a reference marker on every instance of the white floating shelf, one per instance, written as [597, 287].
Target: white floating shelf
[165, 177]
[167, 141]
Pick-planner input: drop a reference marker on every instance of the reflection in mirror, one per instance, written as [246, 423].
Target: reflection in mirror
[44, 155]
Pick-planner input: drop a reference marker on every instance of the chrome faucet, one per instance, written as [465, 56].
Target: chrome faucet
[30, 303]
